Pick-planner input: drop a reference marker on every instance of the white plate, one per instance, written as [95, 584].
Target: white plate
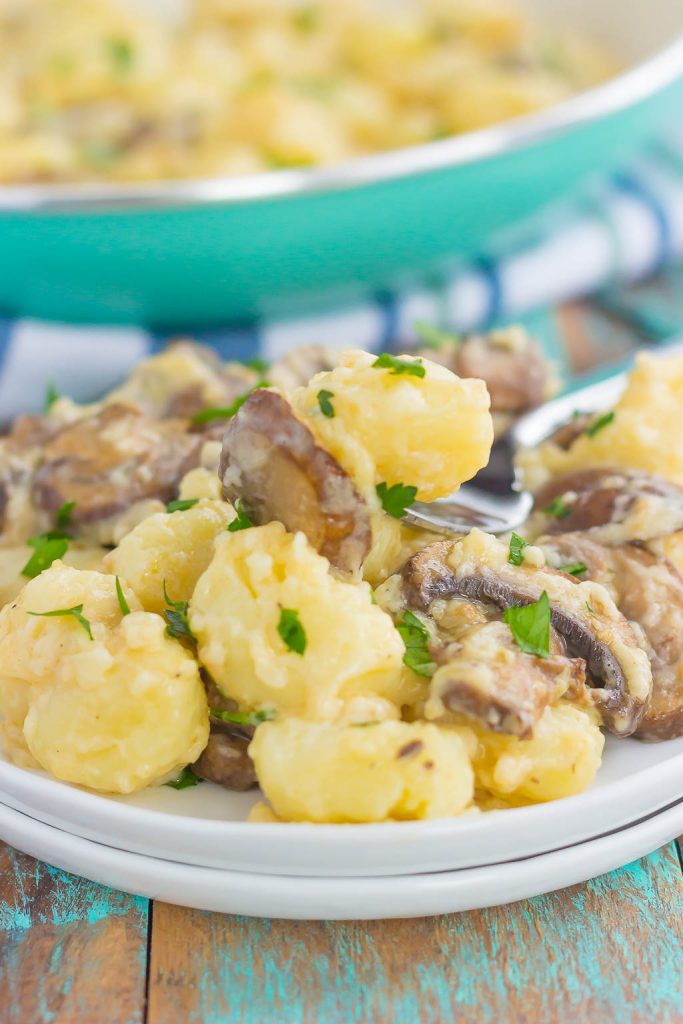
[359, 899]
[205, 825]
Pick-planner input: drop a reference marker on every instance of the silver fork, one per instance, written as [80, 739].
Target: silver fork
[495, 500]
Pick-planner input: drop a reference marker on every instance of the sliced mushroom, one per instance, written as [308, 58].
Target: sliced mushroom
[300, 364]
[183, 380]
[271, 461]
[111, 460]
[648, 590]
[510, 362]
[565, 435]
[615, 505]
[485, 676]
[225, 760]
[583, 615]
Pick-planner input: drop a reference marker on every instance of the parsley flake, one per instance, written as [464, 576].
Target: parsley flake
[411, 367]
[291, 631]
[363, 725]
[306, 19]
[257, 364]
[242, 717]
[558, 508]
[574, 568]
[123, 604]
[181, 504]
[435, 337]
[517, 545]
[63, 518]
[226, 412]
[51, 396]
[326, 407]
[415, 636]
[597, 426]
[530, 626]
[177, 622]
[76, 612]
[396, 499]
[185, 780]
[47, 548]
[100, 153]
[242, 521]
[121, 53]
[589, 608]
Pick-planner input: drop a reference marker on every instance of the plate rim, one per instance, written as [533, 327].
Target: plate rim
[306, 843]
[335, 898]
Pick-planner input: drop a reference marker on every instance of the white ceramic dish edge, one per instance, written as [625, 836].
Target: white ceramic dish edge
[339, 898]
[391, 848]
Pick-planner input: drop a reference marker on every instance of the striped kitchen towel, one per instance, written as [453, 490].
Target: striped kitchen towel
[619, 229]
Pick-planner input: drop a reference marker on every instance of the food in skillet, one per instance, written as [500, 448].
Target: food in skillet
[208, 577]
[122, 91]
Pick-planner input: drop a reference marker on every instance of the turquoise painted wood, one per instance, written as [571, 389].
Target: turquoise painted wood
[72, 951]
[201, 265]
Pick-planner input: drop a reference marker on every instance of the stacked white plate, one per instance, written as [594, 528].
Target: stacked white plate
[195, 848]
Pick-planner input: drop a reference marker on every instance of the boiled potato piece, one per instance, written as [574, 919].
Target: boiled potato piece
[326, 772]
[13, 560]
[432, 432]
[351, 646]
[174, 548]
[116, 712]
[646, 417]
[561, 758]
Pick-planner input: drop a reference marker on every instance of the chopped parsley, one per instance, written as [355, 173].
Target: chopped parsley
[242, 717]
[51, 396]
[530, 626]
[435, 337]
[589, 608]
[181, 504]
[100, 153]
[177, 622]
[397, 365]
[226, 412]
[396, 499]
[242, 521]
[123, 604]
[415, 636]
[326, 407]
[363, 725]
[597, 425]
[121, 53]
[257, 364]
[517, 545]
[185, 780]
[76, 612]
[47, 548]
[291, 631]
[558, 509]
[63, 518]
[574, 569]
[305, 19]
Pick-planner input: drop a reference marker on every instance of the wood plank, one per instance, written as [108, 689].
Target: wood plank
[606, 950]
[71, 951]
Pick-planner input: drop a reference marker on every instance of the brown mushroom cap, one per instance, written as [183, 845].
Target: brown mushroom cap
[648, 590]
[617, 666]
[512, 366]
[485, 676]
[225, 760]
[270, 460]
[616, 504]
[110, 460]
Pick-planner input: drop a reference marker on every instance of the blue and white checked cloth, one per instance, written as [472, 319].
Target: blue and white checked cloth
[619, 229]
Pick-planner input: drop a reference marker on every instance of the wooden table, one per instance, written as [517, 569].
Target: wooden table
[611, 949]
